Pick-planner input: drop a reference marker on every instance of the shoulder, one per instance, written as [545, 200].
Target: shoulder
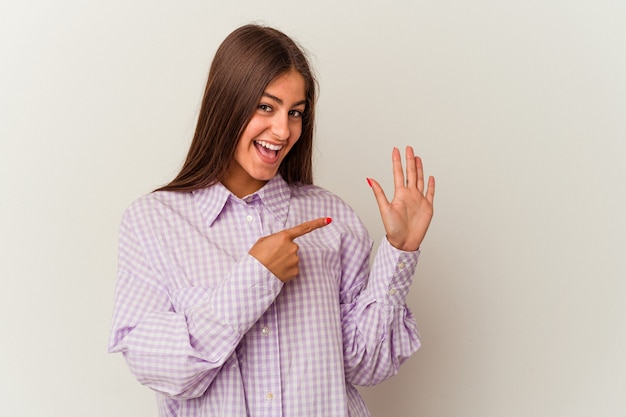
[159, 200]
[318, 201]
[318, 196]
[158, 204]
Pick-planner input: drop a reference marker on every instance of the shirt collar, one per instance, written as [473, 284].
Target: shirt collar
[274, 195]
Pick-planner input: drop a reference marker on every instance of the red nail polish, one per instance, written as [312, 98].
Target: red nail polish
[328, 220]
[369, 182]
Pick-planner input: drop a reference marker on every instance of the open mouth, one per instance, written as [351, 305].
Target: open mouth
[267, 150]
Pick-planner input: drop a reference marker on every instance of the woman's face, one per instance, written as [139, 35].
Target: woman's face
[275, 127]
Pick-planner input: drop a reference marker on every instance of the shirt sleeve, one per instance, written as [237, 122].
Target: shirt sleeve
[179, 353]
[379, 331]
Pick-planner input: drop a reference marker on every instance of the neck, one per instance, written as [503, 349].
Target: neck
[242, 190]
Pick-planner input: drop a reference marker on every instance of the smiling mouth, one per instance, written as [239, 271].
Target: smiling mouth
[267, 149]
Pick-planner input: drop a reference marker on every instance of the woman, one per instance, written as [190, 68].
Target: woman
[236, 295]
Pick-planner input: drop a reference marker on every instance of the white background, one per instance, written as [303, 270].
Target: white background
[517, 107]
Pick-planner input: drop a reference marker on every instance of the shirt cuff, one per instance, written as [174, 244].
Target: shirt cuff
[392, 274]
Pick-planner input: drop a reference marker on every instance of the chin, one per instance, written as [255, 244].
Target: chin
[264, 176]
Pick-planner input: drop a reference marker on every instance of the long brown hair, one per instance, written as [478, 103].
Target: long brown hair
[248, 59]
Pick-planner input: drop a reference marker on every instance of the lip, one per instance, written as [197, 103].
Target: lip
[263, 157]
[269, 144]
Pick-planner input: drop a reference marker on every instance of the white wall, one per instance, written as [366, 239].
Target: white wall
[518, 109]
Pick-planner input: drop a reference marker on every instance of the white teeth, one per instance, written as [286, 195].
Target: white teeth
[269, 145]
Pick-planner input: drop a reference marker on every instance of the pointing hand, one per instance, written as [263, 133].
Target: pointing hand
[279, 253]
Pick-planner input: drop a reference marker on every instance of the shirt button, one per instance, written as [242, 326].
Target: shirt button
[401, 265]
[393, 291]
[269, 396]
[265, 331]
[249, 218]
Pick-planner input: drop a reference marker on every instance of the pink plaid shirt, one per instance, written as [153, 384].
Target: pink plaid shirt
[215, 333]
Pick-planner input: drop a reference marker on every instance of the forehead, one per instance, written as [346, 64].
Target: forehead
[290, 84]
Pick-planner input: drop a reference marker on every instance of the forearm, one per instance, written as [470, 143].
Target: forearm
[380, 332]
[179, 349]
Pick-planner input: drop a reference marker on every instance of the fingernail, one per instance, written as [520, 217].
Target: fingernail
[369, 182]
[328, 220]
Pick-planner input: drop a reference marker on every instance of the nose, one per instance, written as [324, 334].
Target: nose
[280, 127]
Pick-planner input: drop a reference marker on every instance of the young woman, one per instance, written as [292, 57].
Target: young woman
[236, 294]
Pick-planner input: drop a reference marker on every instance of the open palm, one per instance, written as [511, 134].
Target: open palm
[407, 217]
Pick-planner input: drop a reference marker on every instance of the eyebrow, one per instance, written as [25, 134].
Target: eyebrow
[280, 101]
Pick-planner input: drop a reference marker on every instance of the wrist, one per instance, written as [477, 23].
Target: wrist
[404, 246]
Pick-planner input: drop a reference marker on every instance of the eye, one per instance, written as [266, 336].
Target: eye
[296, 113]
[265, 108]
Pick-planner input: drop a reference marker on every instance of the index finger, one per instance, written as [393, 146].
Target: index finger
[307, 227]
[398, 173]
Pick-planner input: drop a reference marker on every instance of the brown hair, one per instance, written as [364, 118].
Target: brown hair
[248, 59]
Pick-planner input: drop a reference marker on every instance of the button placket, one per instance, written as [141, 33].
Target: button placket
[267, 336]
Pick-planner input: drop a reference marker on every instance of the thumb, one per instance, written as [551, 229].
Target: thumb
[379, 194]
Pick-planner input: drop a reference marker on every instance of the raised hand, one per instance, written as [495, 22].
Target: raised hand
[407, 217]
[279, 253]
